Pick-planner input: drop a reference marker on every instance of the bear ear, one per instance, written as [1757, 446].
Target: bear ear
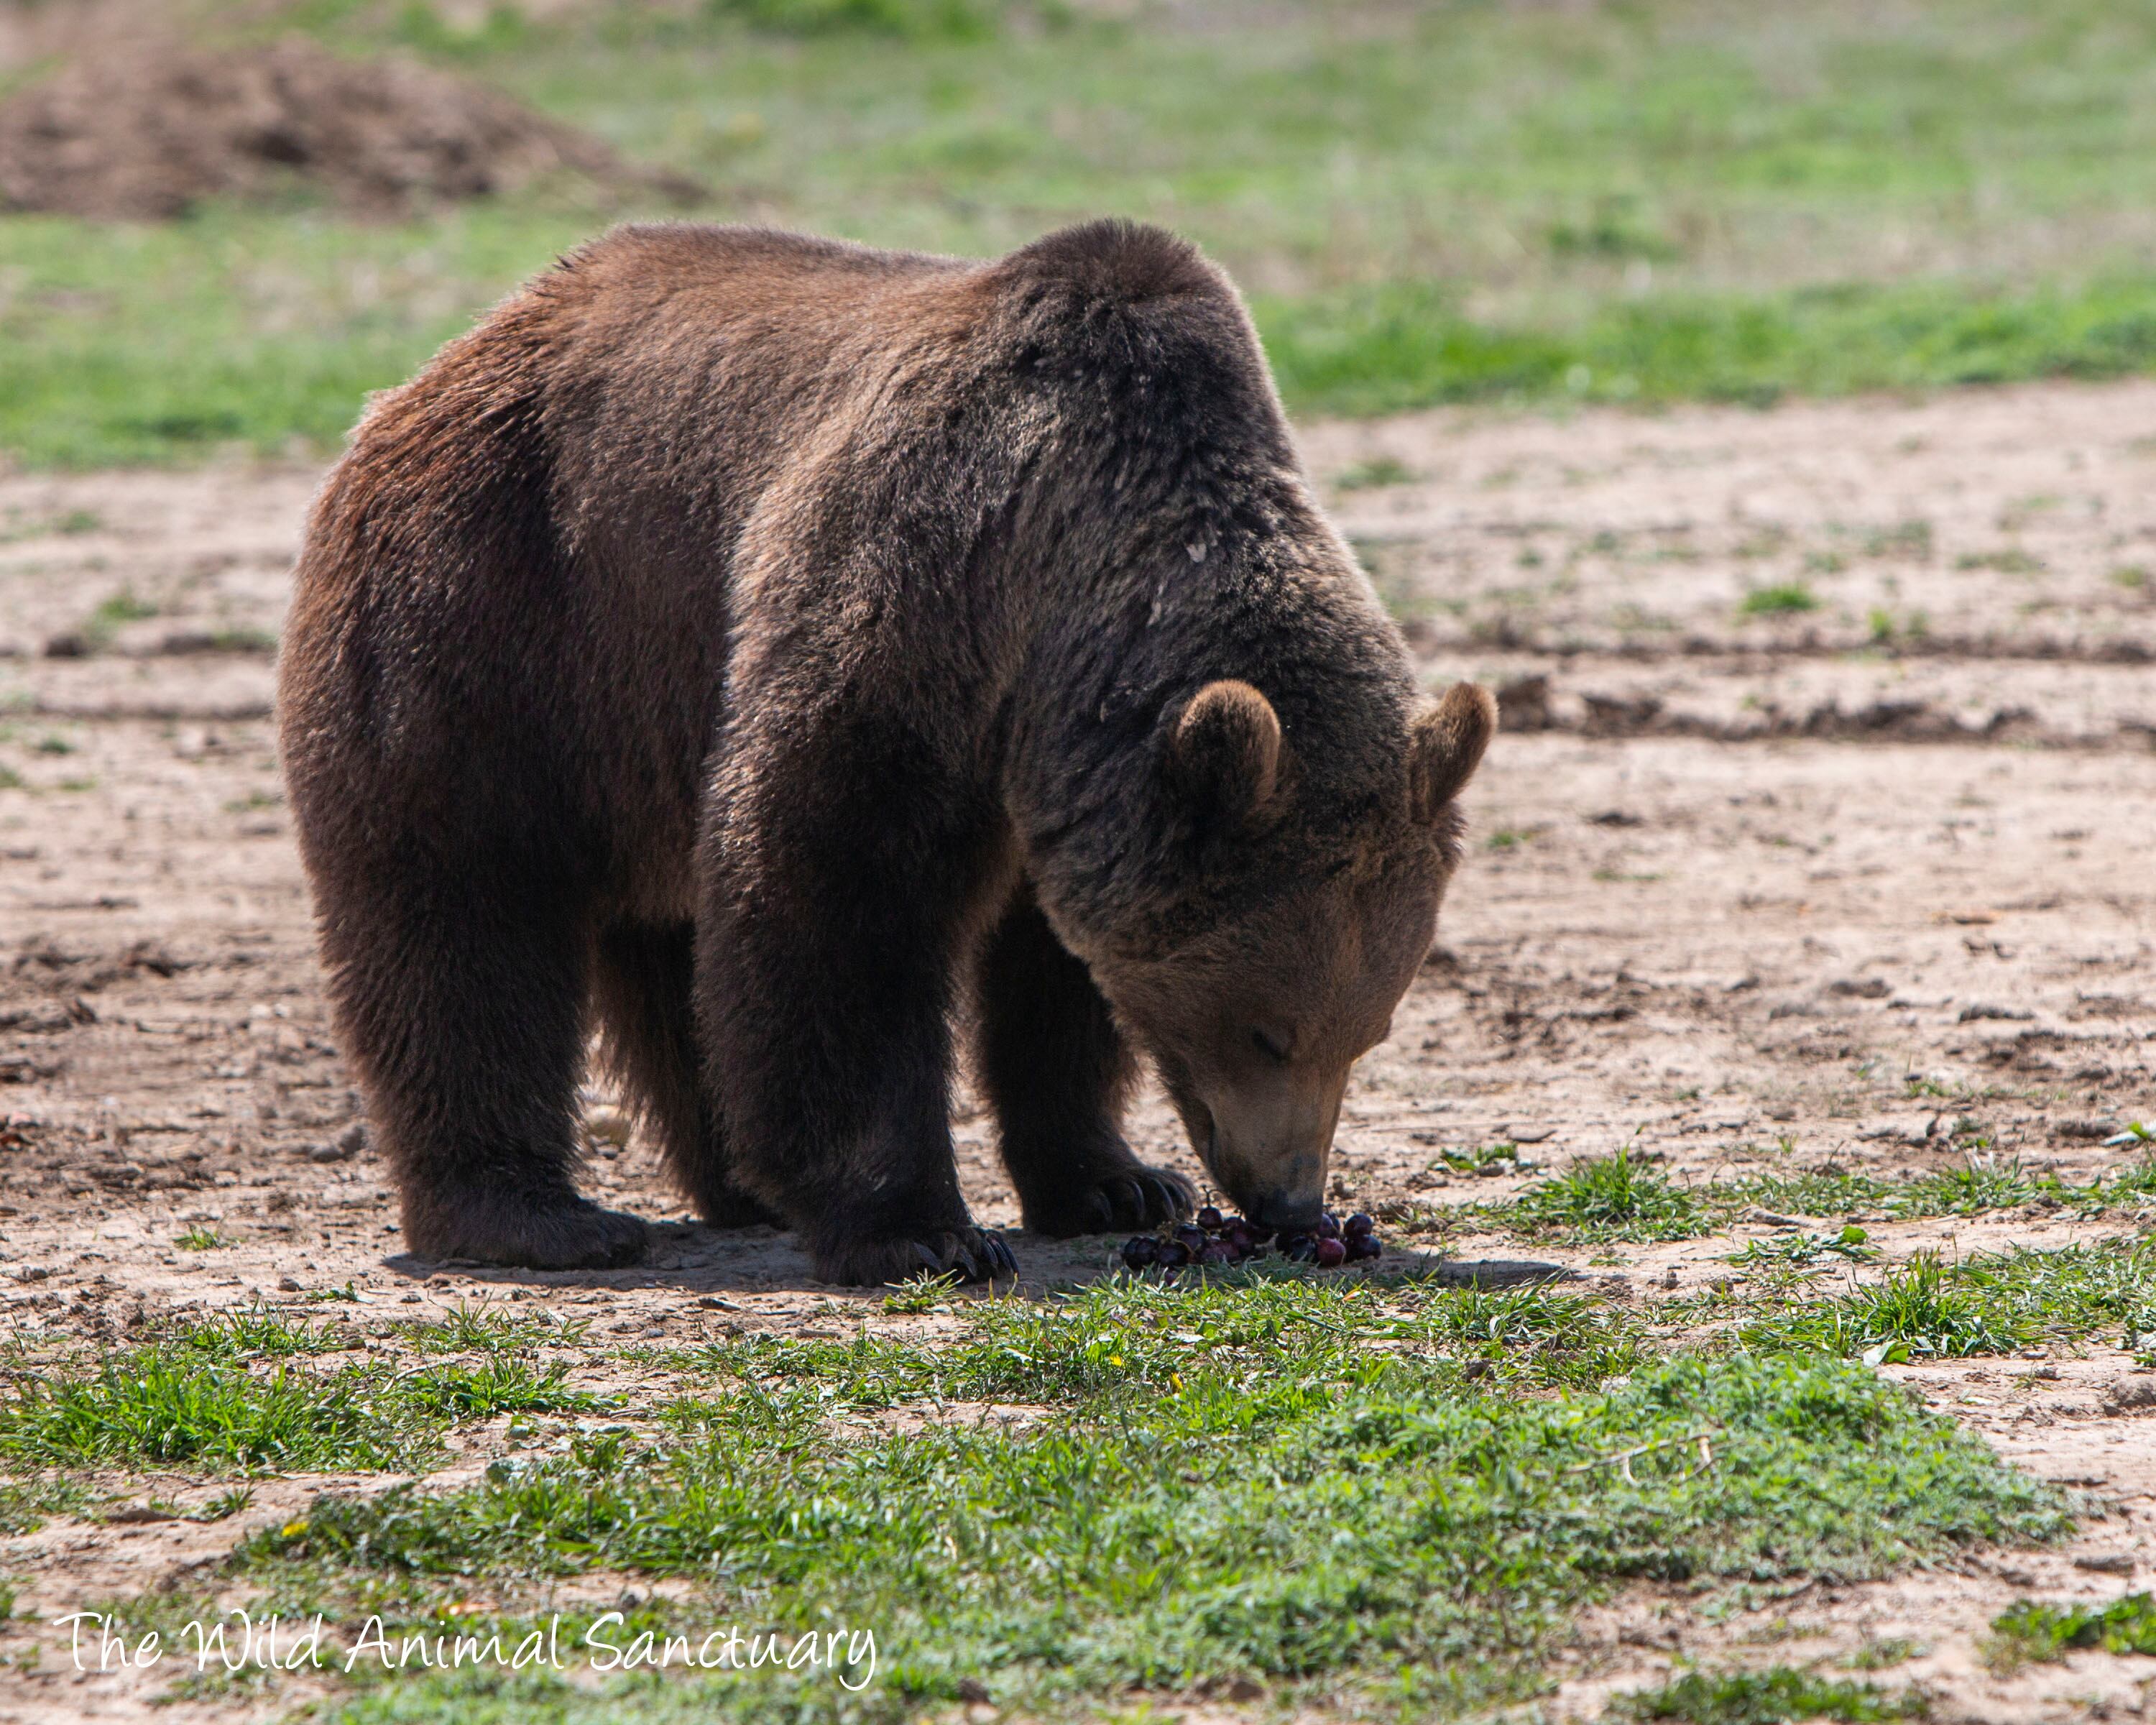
[1225, 755]
[1445, 742]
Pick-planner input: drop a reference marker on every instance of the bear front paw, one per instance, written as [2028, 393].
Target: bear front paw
[550, 1233]
[976, 1253]
[1130, 1198]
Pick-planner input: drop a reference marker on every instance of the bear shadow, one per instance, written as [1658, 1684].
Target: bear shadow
[690, 1259]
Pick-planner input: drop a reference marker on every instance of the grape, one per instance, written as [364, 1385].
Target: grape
[1142, 1253]
[1356, 1225]
[1209, 1220]
[1331, 1252]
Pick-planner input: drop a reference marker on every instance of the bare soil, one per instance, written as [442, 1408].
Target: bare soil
[146, 132]
[1738, 877]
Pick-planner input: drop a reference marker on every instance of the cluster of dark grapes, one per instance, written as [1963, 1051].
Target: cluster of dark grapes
[1212, 1238]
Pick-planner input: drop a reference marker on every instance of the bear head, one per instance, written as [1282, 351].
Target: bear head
[1319, 918]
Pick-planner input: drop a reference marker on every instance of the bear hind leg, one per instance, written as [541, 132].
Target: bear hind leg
[643, 986]
[462, 1014]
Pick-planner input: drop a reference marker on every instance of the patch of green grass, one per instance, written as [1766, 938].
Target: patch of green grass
[1377, 472]
[1851, 1246]
[25, 1505]
[1440, 204]
[199, 1239]
[1619, 1198]
[1779, 1697]
[258, 1331]
[170, 1405]
[108, 614]
[1920, 1309]
[11, 780]
[924, 1292]
[1783, 599]
[1883, 1655]
[475, 1330]
[2012, 560]
[1982, 1184]
[225, 1505]
[1288, 1481]
[2029, 1632]
[1610, 1198]
[1908, 540]
[1482, 1159]
[1988, 1303]
[1388, 349]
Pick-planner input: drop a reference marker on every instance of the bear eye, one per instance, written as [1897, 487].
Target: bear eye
[1271, 1046]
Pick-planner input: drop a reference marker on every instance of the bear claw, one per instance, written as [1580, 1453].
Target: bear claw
[976, 1254]
[1144, 1198]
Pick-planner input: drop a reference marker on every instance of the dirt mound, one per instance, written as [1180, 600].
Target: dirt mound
[147, 134]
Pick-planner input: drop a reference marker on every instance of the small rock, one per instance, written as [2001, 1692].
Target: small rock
[1523, 703]
[289, 1285]
[2106, 1562]
[2129, 1395]
[1868, 987]
[972, 1691]
[1243, 1689]
[353, 1139]
[135, 1512]
[325, 1152]
[606, 1126]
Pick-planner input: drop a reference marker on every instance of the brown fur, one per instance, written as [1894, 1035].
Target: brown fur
[752, 640]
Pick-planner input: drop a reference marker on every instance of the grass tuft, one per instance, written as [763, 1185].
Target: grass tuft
[1786, 598]
[2029, 1632]
[1779, 1697]
[180, 1406]
[1611, 1197]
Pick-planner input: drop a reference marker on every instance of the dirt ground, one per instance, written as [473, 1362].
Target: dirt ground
[1738, 874]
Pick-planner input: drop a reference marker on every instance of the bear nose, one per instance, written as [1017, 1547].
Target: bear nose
[1289, 1212]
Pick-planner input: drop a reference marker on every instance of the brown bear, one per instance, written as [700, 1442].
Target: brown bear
[780, 652]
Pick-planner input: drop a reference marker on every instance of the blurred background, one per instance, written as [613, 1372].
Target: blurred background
[225, 221]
